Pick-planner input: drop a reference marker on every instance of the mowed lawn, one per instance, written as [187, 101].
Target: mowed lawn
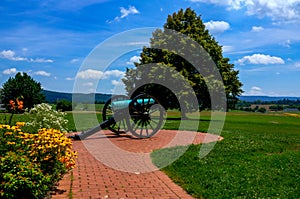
[258, 158]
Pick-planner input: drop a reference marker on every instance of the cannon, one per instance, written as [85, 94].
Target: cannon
[142, 116]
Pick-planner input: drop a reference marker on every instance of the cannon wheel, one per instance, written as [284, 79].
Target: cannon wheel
[121, 125]
[146, 118]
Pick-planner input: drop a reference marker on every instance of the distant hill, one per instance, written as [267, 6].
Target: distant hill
[265, 98]
[53, 97]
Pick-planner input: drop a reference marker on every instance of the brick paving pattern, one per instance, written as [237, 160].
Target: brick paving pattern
[91, 179]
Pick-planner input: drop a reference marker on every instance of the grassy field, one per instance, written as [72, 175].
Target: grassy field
[258, 158]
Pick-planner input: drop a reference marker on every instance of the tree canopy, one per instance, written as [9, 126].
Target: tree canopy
[188, 23]
[22, 87]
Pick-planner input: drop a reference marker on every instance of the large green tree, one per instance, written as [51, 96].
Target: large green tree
[188, 23]
[22, 87]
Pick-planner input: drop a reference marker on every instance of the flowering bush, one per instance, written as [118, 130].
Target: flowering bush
[30, 163]
[21, 178]
[44, 116]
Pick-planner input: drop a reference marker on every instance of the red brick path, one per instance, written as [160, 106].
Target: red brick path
[92, 179]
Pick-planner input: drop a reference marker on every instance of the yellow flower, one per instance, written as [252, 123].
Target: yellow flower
[20, 124]
[10, 143]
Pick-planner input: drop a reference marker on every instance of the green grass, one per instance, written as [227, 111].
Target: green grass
[259, 158]
[84, 120]
[89, 107]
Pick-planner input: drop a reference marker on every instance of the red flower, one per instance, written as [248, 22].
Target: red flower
[12, 104]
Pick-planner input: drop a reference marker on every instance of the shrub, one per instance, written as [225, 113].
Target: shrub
[43, 116]
[21, 178]
[262, 110]
[51, 149]
[31, 163]
[64, 105]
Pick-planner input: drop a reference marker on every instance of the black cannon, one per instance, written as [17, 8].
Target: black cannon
[142, 116]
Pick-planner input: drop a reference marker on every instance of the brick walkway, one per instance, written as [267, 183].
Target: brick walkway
[92, 179]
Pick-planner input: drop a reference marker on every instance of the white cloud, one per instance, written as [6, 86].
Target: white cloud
[275, 9]
[10, 71]
[255, 90]
[42, 73]
[40, 60]
[96, 74]
[257, 29]
[125, 12]
[278, 10]
[260, 59]
[11, 55]
[217, 26]
[69, 78]
[134, 59]
[116, 83]
[74, 61]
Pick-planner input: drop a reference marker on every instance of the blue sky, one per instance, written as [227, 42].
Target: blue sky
[51, 40]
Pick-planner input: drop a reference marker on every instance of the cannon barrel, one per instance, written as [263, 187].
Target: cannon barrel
[107, 123]
[91, 131]
[118, 105]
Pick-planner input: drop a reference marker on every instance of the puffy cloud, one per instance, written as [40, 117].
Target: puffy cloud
[10, 71]
[42, 73]
[217, 26]
[255, 90]
[11, 55]
[275, 9]
[131, 10]
[134, 59]
[96, 74]
[257, 29]
[260, 59]
[116, 83]
[125, 12]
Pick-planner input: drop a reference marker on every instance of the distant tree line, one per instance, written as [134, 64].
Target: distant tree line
[279, 102]
[278, 105]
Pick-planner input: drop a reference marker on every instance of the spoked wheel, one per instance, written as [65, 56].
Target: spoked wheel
[147, 116]
[109, 111]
